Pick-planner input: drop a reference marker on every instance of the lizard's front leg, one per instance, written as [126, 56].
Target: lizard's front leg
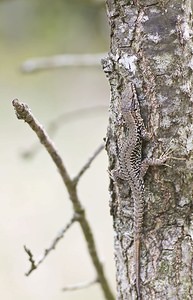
[147, 162]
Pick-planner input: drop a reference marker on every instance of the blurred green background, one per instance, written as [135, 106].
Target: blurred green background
[34, 203]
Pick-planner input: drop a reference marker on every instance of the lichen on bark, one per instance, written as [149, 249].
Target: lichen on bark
[151, 46]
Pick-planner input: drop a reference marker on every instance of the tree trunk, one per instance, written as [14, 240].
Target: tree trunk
[151, 47]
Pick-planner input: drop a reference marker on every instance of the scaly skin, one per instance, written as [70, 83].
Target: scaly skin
[132, 169]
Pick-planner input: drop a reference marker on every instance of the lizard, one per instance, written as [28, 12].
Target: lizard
[132, 168]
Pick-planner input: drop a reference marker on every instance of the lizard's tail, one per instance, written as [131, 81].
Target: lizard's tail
[138, 224]
[137, 267]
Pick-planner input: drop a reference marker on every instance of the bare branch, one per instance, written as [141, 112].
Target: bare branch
[35, 265]
[63, 60]
[31, 259]
[60, 120]
[23, 112]
[88, 163]
[80, 286]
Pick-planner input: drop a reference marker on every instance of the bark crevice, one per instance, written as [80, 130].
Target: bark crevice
[151, 46]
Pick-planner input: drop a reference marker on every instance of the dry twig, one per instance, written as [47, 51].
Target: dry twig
[23, 112]
[79, 286]
[47, 251]
[88, 163]
[63, 60]
[64, 118]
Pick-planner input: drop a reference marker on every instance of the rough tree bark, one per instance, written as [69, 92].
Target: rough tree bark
[151, 46]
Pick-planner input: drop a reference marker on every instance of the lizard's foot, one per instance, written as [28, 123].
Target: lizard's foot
[147, 162]
[115, 175]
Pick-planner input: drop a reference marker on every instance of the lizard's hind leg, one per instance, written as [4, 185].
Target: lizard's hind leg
[147, 162]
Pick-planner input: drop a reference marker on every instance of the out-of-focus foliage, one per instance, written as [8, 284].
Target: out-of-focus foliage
[73, 26]
[34, 203]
